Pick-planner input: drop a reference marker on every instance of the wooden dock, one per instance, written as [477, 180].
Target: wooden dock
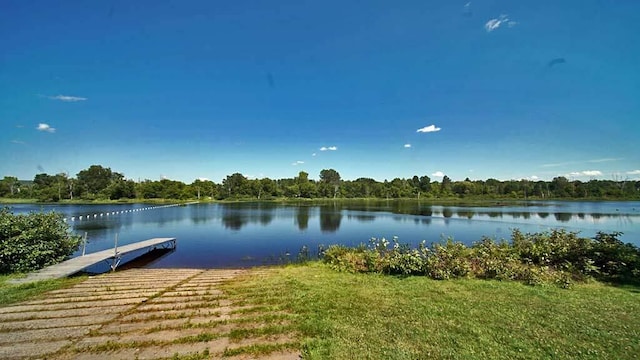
[77, 264]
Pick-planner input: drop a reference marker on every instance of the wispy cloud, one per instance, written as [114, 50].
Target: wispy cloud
[493, 24]
[407, 146]
[67, 98]
[428, 129]
[18, 142]
[604, 160]
[297, 163]
[438, 174]
[314, 154]
[559, 164]
[586, 173]
[45, 127]
[633, 172]
[581, 162]
[330, 148]
[466, 9]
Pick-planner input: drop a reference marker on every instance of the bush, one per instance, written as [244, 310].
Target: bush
[556, 257]
[615, 260]
[33, 241]
[448, 260]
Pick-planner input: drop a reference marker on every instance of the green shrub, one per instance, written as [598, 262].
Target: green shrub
[448, 260]
[615, 260]
[342, 258]
[30, 242]
[556, 257]
[491, 260]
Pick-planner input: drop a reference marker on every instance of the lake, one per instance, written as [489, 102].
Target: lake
[249, 234]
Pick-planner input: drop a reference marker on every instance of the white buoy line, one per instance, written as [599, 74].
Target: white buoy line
[120, 212]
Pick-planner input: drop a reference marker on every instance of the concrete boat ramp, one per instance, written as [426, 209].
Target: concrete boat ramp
[77, 264]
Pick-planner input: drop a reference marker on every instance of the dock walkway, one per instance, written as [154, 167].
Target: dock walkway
[77, 264]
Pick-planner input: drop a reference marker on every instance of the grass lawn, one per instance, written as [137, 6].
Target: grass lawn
[367, 316]
[12, 293]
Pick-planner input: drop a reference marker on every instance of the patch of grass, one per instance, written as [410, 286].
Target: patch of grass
[244, 333]
[203, 337]
[346, 316]
[193, 356]
[13, 293]
[260, 349]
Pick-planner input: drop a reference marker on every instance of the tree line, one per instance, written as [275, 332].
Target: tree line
[101, 183]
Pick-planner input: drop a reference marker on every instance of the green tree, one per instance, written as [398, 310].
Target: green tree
[329, 183]
[96, 179]
[30, 242]
[235, 185]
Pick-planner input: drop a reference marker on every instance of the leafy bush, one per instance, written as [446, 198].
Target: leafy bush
[30, 242]
[448, 260]
[491, 260]
[615, 260]
[556, 257]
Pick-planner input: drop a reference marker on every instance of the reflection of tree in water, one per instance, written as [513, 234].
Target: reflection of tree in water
[425, 211]
[563, 217]
[447, 212]
[199, 214]
[543, 215]
[266, 215]
[233, 220]
[302, 217]
[330, 218]
[362, 218]
[466, 213]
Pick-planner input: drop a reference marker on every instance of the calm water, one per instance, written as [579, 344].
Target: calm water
[247, 234]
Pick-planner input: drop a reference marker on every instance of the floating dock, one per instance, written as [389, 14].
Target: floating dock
[112, 256]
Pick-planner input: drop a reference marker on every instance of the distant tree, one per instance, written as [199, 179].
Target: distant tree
[9, 186]
[445, 188]
[306, 187]
[330, 180]
[96, 178]
[235, 185]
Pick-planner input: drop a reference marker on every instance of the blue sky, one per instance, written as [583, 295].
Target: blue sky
[203, 89]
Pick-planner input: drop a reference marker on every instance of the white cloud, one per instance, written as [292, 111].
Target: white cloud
[438, 174]
[428, 129]
[66, 98]
[203, 179]
[603, 160]
[406, 146]
[533, 177]
[314, 154]
[297, 163]
[633, 172]
[493, 24]
[586, 173]
[45, 127]
[330, 148]
[18, 142]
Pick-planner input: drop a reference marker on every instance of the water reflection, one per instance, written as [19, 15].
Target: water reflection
[244, 234]
[237, 215]
[330, 218]
[302, 217]
[562, 217]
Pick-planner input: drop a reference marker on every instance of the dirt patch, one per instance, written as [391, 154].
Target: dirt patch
[140, 313]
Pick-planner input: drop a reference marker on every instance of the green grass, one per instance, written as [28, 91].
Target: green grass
[369, 316]
[12, 293]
